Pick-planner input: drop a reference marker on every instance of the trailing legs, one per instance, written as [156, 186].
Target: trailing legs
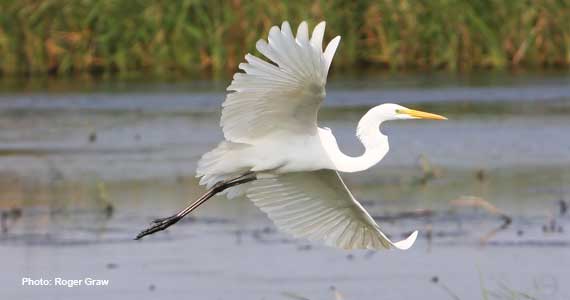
[163, 223]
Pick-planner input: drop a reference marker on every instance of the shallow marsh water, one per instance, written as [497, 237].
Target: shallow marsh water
[84, 169]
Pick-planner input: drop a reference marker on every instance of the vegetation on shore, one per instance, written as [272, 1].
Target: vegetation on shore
[189, 36]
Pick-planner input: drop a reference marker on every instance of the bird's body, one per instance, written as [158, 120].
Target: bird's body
[275, 154]
[280, 152]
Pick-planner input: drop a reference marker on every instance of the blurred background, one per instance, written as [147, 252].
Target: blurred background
[106, 106]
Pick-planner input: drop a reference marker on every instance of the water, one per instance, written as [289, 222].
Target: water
[85, 165]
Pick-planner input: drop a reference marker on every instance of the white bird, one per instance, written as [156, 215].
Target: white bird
[275, 154]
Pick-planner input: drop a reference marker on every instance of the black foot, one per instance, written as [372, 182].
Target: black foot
[159, 225]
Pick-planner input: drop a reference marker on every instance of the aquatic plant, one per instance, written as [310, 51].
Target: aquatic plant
[188, 36]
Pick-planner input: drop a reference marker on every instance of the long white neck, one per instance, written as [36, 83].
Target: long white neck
[375, 145]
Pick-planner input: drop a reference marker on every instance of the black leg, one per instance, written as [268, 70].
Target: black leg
[163, 223]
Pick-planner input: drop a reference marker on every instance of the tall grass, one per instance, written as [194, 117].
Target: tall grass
[185, 36]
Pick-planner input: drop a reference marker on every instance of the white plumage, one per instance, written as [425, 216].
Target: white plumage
[269, 120]
[280, 97]
[318, 206]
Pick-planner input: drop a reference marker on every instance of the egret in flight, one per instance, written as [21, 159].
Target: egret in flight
[275, 154]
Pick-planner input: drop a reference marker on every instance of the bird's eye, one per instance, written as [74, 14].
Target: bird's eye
[398, 111]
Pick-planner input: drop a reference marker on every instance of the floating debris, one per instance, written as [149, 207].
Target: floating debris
[429, 172]
[437, 281]
[552, 226]
[112, 266]
[415, 214]
[563, 207]
[478, 202]
[7, 216]
[481, 175]
[429, 237]
[92, 137]
[108, 207]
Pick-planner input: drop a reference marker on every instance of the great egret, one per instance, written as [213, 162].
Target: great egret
[276, 155]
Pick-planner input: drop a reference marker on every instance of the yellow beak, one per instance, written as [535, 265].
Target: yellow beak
[421, 115]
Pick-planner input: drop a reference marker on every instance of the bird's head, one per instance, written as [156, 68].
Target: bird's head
[390, 111]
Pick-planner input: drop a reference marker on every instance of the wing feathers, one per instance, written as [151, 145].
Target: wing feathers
[303, 33]
[283, 93]
[318, 206]
[286, 30]
[317, 37]
[329, 52]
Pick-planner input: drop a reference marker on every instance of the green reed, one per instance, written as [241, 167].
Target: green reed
[190, 36]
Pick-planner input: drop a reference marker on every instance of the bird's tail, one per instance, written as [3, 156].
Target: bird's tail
[218, 164]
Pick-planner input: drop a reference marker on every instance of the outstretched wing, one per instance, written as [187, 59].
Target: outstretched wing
[284, 94]
[317, 205]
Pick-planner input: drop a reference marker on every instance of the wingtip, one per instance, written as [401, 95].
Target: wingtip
[318, 34]
[408, 242]
[274, 30]
[303, 32]
[321, 27]
[286, 29]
